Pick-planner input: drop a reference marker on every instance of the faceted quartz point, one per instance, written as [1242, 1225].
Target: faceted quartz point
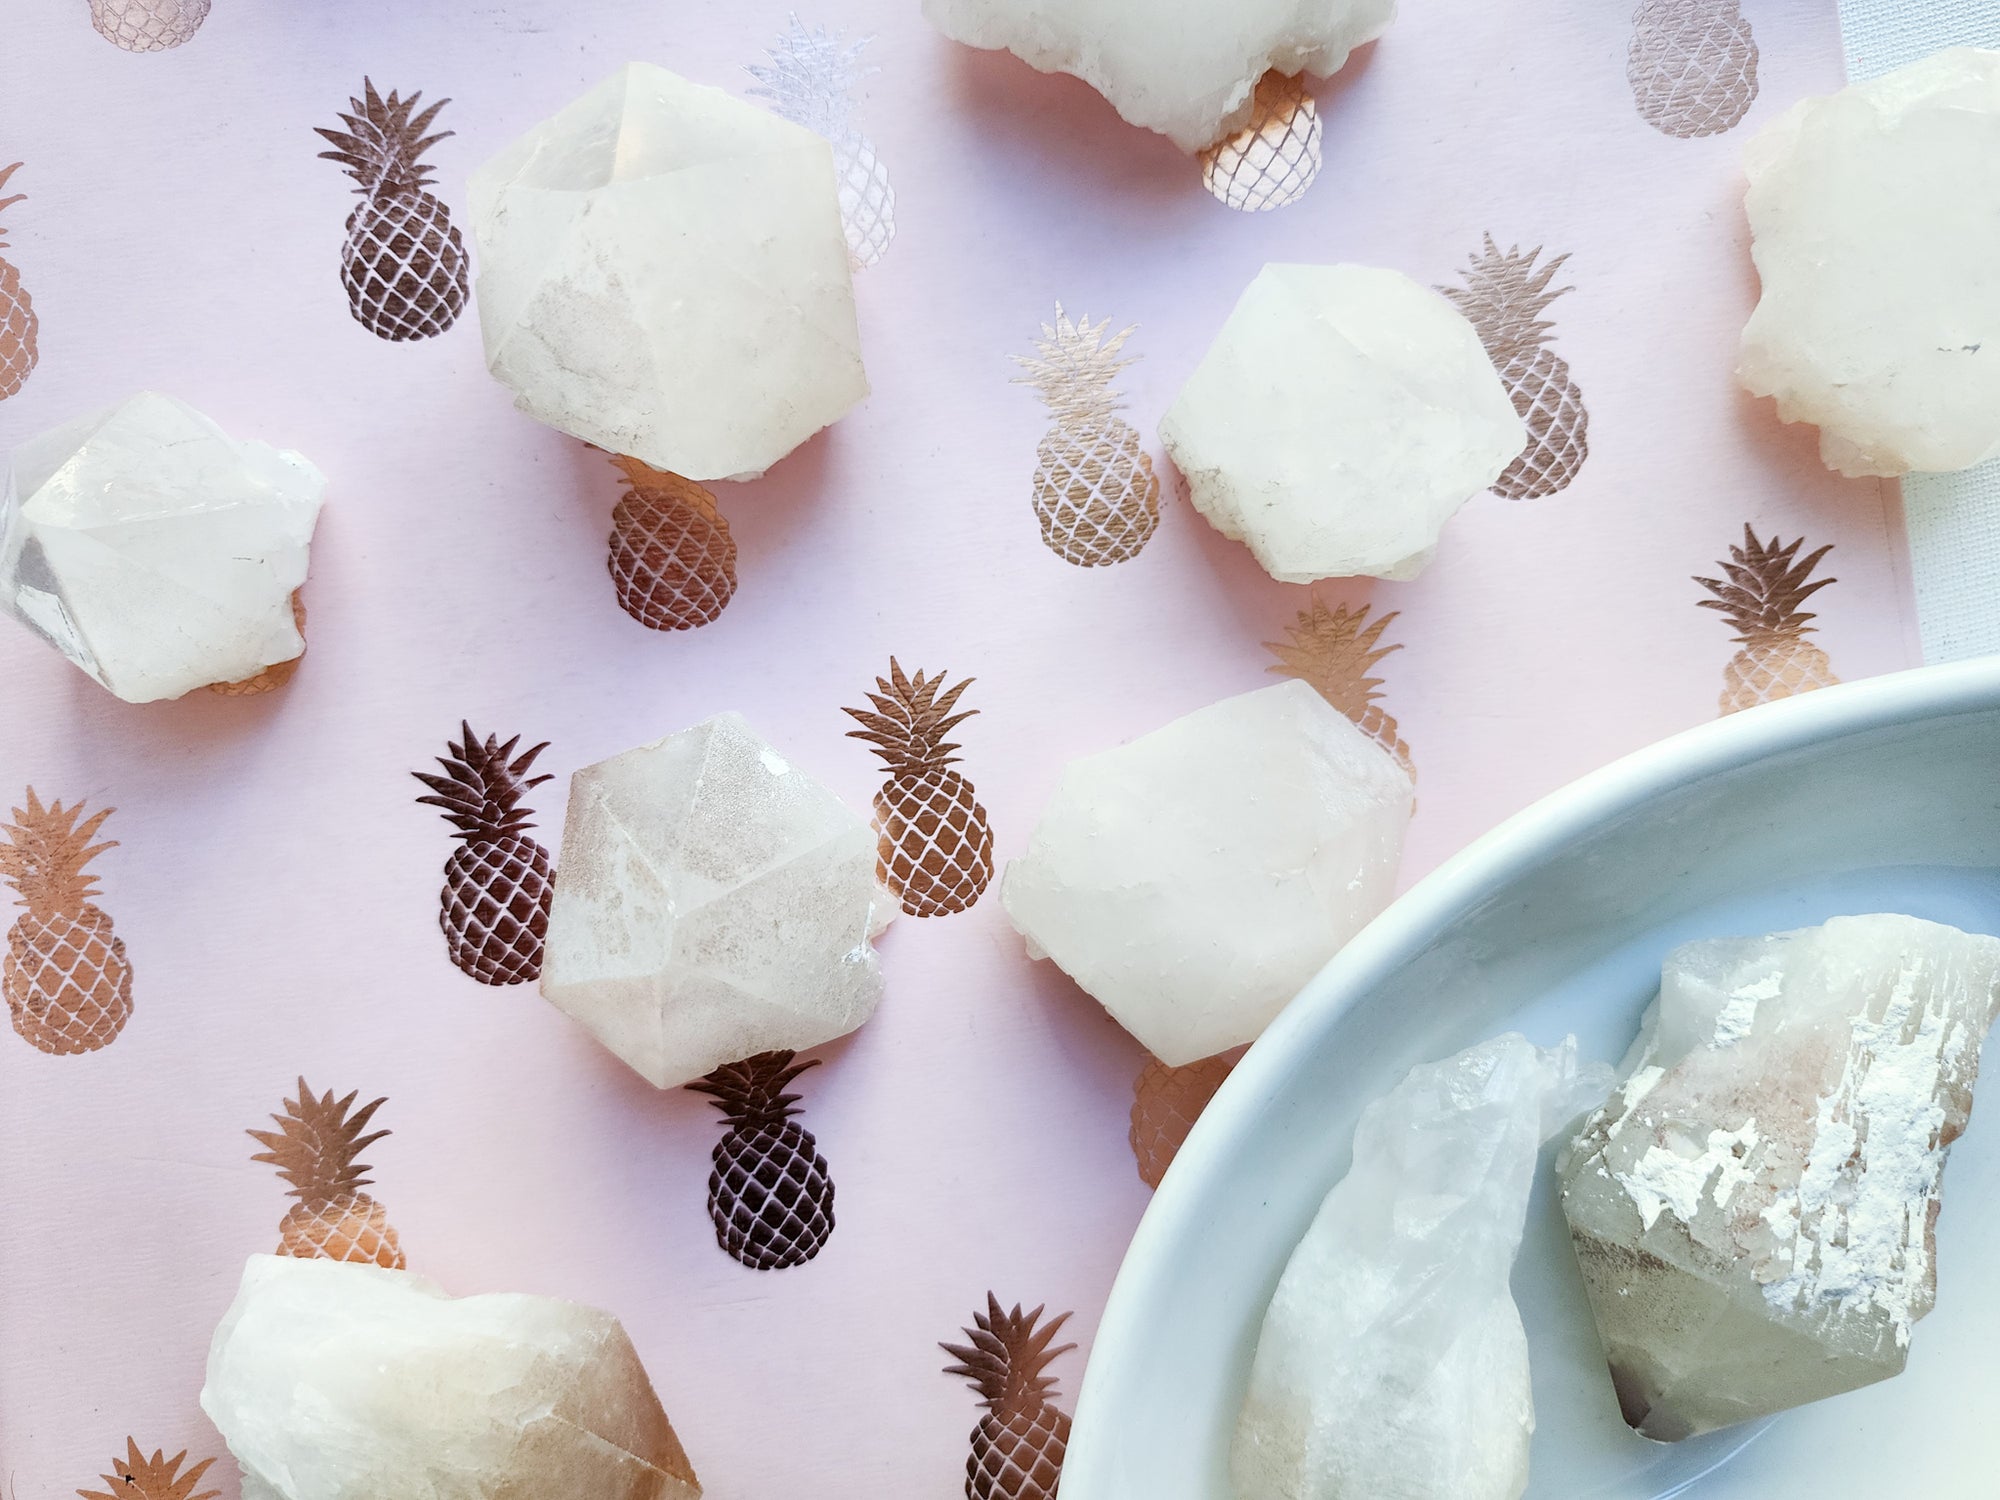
[1194, 879]
[155, 552]
[1186, 69]
[332, 1381]
[1392, 1360]
[1872, 213]
[1341, 417]
[715, 902]
[663, 272]
[1754, 1209]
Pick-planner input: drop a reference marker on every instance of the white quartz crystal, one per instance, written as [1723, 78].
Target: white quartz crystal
[1876, 237]
[1340, 418]
[714, 902]
[154, 551]
[1754, 1209]
[1392, 1363]
[336, 1381]
[663, 272]
[1187, 70]
[1195, 878]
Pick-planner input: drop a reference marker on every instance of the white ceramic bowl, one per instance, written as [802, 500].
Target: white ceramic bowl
[1877, 796]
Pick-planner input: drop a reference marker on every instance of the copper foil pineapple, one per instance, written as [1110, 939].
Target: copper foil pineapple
[274, 676]
[1273, 159]
[316, 1149]
[1692, 66]
[403, 263]
[1335, 651]
[1018, 1446]
[1763, 587]
[147, 25]
[1165, 1104]
[18, 324]
[769, 1195]
[67, 978]
[494, 907]
[137, 1477]
[672, 558]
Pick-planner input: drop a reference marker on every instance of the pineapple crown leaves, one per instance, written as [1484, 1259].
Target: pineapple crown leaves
[811, 76]
[8, 202]
[1008, 1358]
[1763, 586]
[46, 851]
[317, 1144]
[1504, 296]
[383, 146]
[753, 1091]
[1074, 364]
[911, 719]
[1333, 651]
[137, 1477]
[482, 785]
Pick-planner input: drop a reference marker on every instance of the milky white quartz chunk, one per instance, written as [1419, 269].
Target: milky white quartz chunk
[1392, 1362]
[663, 272]
[1876, 219]
[1340, 418]
[1194, 879]
[715, 902]
[333, 1381]
[1186, 69]
[154, 551]
[1753, 1210]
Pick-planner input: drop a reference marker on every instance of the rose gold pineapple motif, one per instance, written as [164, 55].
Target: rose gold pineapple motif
[137, 1477]
[1165, 1104]
[1273, 159]
[68, 981]
[1692, 66]
[1760, 594]
[494, 907]
[934, 850]
[274, 676]
[18, 324]
[769, 1196]
[1335, 651]
[1096, 495]
[672, 559]
[403, 263]
[147, 25]
[1018, 1446]
[316, 1149]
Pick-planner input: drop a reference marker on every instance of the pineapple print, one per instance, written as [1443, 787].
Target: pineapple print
[810, 79]
[1271, 161]
[68, 981]
[672, 561]
[316, 1149]
[147, 25]
[274, 676]
[1018, 1446]
[494, 907]
[137, 1477]
[1763, 586]
[1504, 297]
[403, 263]
[1096, 494]
[769, 1196]
[1333, 651]
[1165, 1104]
[1692, 66]
[18, 323]
[934, 850]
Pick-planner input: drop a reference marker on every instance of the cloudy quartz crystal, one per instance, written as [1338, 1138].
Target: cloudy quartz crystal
[1754, 1209]
[1194, 879]
[1341, 417]
[154, 551]
[663, 272]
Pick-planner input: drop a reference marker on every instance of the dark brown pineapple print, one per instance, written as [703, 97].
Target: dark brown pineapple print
[68, 981]
[403, 263]
[316, 1149]
[1165, 1104]
[770, 1195]
[494, 907]
[672, 559]
[934, 850]
[137, 1477]
[1335, 652]
[1018, 1446]
[1762, 594]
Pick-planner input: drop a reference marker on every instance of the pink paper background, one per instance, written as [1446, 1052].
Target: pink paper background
[277, 885]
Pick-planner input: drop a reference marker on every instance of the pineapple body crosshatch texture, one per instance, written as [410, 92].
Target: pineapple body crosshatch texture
[291, 915]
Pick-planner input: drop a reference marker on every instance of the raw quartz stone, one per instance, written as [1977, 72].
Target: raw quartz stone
[1193, 880]
[1876, 235]
[1754, 1209]
[1392, 1361]
[338, 1381]
[663, 272]
[715, 902]
[154, 551]
[1186, 70]
[1341, 417]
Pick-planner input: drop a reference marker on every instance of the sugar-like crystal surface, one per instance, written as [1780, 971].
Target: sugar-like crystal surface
[1754, 1209]
[1341, 417]
[713, 902]
[1195, 878]
[1392, 1361]
[663, 272]
[1875, 236]
[1187, 68]
[155, 552]
[334, 1381]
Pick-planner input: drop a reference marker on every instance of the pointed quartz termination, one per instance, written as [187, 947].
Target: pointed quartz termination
[349, 1382]
[1392, 1360]
[1754, 1209]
